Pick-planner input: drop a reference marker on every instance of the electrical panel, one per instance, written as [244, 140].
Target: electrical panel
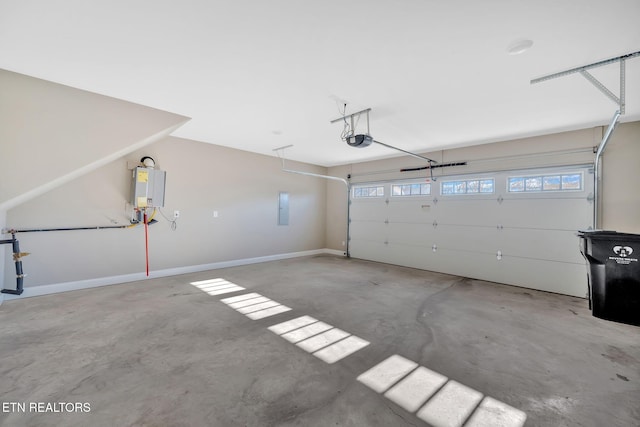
[147, 189]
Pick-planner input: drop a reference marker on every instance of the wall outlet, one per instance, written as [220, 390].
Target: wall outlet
[176, 214]
[215, 214]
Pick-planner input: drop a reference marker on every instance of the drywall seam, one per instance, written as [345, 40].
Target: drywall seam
[12, 203]
[115, 280]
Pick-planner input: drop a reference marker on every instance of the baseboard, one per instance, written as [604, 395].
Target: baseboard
[334, 252]
[115, 280]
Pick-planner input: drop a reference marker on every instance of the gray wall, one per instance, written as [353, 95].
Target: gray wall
[620, 175]
[243, 187]
[52, 133]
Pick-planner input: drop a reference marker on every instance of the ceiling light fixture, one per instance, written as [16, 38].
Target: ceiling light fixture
[519, 46]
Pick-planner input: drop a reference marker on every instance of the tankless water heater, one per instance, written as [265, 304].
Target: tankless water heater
[147, 189]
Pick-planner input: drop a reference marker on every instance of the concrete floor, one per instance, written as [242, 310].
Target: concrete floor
[164, 353]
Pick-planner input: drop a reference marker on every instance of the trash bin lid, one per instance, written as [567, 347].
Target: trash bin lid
[608, 234]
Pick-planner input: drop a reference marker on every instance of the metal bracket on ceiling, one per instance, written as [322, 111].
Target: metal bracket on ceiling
[351, 118]
[620, 101]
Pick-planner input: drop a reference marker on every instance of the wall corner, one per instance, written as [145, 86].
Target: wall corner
[3, 252]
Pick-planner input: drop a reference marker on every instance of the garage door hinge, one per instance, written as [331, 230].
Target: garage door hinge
[499, 227]
[435, 224]
[386, 221]
[590, 198]
[500, 199]
[435, 200]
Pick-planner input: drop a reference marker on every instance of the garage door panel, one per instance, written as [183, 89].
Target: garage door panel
[411, 234]
[368, 211]
[567, 279]
[442, 260]
[368, 230]
[553, 215]
[533, 274]
[521, 239]
[474, 239]
[544, 244]
[413, 211]
[464, 263]
[485, 212]
[415, 256]
[369, 250]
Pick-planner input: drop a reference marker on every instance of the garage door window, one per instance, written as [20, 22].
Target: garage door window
[372, 191]
[468, 186]
[415, 189]
[559, 182]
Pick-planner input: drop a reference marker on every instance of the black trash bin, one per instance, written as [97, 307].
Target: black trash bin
[613, 274]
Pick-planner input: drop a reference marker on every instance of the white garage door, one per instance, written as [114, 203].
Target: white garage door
[517, 228]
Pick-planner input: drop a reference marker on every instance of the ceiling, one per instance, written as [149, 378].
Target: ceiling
[257, 75]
